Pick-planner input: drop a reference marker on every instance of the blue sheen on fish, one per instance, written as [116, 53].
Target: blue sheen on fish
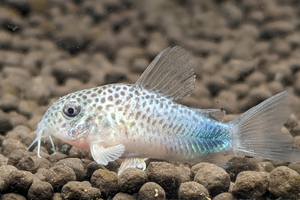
[143, 120]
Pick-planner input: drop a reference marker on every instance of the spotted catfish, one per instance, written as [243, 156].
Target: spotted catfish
[143, 120]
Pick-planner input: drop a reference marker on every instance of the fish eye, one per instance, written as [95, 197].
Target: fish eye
[71, 109]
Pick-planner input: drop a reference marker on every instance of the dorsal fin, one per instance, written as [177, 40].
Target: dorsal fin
[170, 73]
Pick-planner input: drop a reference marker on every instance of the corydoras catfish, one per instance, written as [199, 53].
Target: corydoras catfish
[143, 120]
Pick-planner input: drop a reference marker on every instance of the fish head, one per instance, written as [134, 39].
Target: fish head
[70, 119]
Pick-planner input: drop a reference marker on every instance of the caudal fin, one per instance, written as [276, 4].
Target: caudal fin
[257, 132]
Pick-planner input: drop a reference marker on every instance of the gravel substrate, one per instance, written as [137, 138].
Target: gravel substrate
[242, 53]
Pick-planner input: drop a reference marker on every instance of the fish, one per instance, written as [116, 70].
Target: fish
[143, 120]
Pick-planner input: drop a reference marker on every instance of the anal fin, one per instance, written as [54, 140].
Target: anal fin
[132, 163]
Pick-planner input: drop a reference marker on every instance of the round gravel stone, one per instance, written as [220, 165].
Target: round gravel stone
[192, 191]
[224, 196]
[106, 181]
[250, 184]
[9, 145]
[5, 171]
[123, 196]
[74, 190]
[214, 178]
[20, 181]
[131, 180]
[238, 164]
[284, 183]
[21, 160]
[40, 190]
[166, 175]
[13, 196]
[77, 166]
[151, 191]
[59, 175]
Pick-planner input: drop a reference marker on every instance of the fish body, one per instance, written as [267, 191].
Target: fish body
[143, 120]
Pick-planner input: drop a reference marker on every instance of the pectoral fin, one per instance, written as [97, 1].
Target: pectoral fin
[132, 163]
[103, 155]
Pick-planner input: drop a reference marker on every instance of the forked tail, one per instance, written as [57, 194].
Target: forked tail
[257, 132]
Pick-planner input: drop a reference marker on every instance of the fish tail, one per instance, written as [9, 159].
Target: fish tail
[258, 131]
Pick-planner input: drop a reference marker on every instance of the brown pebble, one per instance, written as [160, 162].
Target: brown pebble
[41, 173]
[20, 133]
[131, 180]
[284, 183]
[13, 196]
[75, 164]
[227, 100]
[10, 145]
[39, 163]
[213, 178]
[151, 191]
[255, 79]
[59, 175]
[184, 173]
[238, 164]
[192, 191]
[266, 166]
[3, 160]
[215, 84]
[123, 196]
[106, 181]
[295, 166]
[77, 153]
[196, 168]
[166, 175]
[224, 196]
[21, 160]
[20, 181]
[57, 196]
[275, 28]
[40, 190]
[5, 171]
[250, 184]
[74, 190]
[9, 102]
[91, 167]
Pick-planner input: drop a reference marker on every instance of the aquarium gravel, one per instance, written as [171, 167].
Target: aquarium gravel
[242, 53]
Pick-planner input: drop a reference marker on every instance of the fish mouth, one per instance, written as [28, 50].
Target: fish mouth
[41, 133]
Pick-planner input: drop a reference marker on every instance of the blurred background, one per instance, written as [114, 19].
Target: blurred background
[242, 52]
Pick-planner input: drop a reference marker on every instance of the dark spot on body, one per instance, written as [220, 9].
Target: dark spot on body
[96, 100]
[103, 100]
[116, 95]
[88, 101]
[84, 97]
[99, 91]
[118, 101]
[88, 92]
[94, 95]
[122, 93]
[99, 107]
[110, 91]
[110, 98]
